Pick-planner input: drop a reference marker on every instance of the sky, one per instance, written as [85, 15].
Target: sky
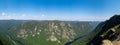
[73, 10]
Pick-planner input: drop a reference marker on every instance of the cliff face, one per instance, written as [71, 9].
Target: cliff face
[109, 31]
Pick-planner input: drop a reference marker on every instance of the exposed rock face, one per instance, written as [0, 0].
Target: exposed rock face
[108, 42]
[52, 32]
[110, 31]
[116, 42]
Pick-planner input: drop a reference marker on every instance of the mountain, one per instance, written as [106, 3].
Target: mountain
[109, 31]
[106, 32]
[34, 32]
[5, 25]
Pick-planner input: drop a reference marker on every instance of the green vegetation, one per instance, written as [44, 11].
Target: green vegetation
[55, 32]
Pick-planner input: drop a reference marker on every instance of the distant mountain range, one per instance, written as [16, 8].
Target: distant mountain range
[34, 32]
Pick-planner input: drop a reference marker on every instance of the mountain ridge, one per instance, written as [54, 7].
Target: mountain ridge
[113, 21]
[35, 32]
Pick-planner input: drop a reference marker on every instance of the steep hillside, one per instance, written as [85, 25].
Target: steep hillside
[84, 39]
[5, 25]
[107, 30]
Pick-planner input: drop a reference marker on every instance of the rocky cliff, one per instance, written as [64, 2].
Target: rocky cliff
[109, 31]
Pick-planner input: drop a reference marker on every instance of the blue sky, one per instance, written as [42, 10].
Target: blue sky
[80, 10]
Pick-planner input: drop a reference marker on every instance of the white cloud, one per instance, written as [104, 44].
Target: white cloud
[42, 15]
[3, 13]
[23, 14]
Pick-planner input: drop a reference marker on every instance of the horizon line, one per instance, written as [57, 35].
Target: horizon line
[52, 20]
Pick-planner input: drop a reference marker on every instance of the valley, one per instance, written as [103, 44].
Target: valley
[34, 32]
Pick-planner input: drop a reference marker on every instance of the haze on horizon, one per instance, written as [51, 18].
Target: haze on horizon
[81, 10]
